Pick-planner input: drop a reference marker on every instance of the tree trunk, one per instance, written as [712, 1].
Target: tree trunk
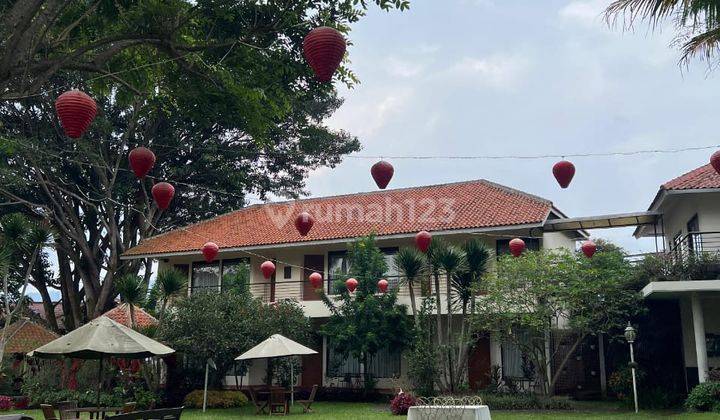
[564, 361]
[443, 380]
[448, 295]
[413, 307]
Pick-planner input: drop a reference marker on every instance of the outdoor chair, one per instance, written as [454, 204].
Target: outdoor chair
[259, 405]
[67, 405]
[307, 403]
[161, 414]
[278, 402]
[128, 407]
[48, 412]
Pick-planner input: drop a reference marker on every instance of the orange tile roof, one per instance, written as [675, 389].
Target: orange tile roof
[121, 314]
[701, 178]
[25, 336]
[462, 205]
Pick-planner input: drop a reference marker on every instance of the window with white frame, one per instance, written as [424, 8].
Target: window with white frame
[205, 276]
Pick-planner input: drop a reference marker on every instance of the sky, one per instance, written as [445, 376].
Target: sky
[512, 77]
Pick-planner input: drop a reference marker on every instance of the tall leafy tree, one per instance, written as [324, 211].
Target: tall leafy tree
[530, 297]
[220, 92]
[697, 21]
[365, 322]
[169, 284]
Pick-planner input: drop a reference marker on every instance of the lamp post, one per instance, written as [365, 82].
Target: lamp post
[630, 336]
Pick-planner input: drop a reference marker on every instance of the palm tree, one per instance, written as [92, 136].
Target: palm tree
[697, 20]
[477, 255]
[132, 292]
[410, 262]
[452, 261]
[168, 284]
[435, 267]
[21, 242]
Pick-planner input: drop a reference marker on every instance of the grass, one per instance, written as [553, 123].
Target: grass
[348, 411]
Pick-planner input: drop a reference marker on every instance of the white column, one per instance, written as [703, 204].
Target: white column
[699, 330]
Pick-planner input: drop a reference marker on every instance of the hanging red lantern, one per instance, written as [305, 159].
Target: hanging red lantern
[382, 172]
[517, 246]
[564, 172]
[324, 48]
[76, 110]
[209, 251]
[163, 193]
[304, 222]
[422, 240]
[588, 248]
[267, 268]
[316, 280]
[383, 285]
[351, 284]
[715, 161]
[141, 160]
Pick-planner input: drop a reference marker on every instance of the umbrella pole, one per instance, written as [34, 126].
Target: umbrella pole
[207, 367]
[97, 398]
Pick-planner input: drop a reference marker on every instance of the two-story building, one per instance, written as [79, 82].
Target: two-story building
[252, 235]
[689, 228]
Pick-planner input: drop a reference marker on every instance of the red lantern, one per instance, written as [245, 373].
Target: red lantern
[564, 172]
[304, 222]
[163, 193]
[589, 248]
[382, 172]
[383, 285]
[76, 110]
[316, 280]
[517, 246]
[210, 251]
[715, 161]
[141, 160]
[324, 49]
[351, 284]
[267, 268]
[422, 240]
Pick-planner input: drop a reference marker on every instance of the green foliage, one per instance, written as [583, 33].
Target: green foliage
[672, 267]
[21, 242]
[222, 326]
[423, 356]
[704, 397]
[237, 282]
[363, 324]
[524, 402]
[527, 297]
[169, 284]
[410, 262]
[216, 399]
[132, 290]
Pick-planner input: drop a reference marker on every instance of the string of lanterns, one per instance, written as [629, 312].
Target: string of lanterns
[324, 49]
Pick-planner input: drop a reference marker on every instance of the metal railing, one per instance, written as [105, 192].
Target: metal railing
[268, 291]
[695, 244]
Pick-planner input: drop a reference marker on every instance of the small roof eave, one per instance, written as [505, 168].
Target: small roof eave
[675, 289]
[602, 221]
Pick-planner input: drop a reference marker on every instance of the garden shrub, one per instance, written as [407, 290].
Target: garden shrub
[6, 403]
[704, 397]
[401, 403]
[216, 399]
[523, 401]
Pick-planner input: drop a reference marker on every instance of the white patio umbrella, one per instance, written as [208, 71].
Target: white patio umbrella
[278, 346]
[101, 338]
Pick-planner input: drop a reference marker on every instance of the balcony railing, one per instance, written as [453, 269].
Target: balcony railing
[695, 245]
[299, 290]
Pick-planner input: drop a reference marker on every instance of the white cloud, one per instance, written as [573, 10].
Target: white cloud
[499, 71]
[364, 115]
[588, 12]
[403, 68]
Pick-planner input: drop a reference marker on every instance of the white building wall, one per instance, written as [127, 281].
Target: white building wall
[679, 208]
[711, 315]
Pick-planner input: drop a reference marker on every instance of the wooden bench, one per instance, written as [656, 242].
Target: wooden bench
[161, 414]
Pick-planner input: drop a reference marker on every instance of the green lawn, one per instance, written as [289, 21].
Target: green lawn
[347, 411]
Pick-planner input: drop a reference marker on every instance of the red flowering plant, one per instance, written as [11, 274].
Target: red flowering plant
[5, 403]
[401, 403]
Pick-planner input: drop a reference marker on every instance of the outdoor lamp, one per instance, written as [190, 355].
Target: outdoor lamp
[630, 336]
[630, 333]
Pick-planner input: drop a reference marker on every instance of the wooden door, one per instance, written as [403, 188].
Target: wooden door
[479, 364]
[312, 364]
[312, 263]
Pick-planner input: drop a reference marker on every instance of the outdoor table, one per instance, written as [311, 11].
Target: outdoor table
[464, 412]
[94, 412]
